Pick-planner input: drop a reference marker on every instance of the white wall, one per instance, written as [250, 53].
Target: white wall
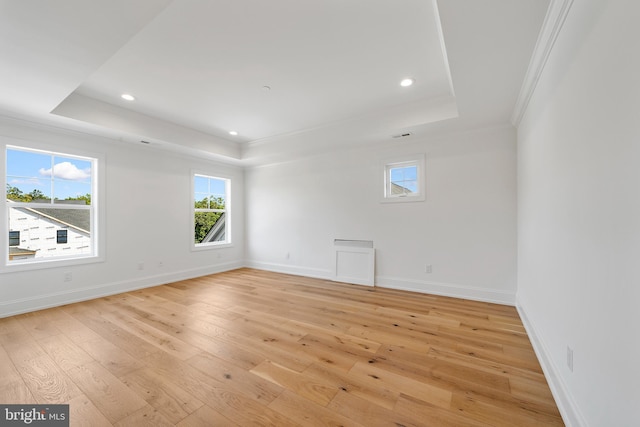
[148, 220]
[579, 214]
[465, 229]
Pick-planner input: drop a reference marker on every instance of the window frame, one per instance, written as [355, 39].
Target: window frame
[387, 164]
[97, 210]
[228, 242]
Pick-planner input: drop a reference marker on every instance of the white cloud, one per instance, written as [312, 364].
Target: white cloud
[32, 181]
[66, 170]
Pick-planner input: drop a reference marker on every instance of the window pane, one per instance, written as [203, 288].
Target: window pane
[217, 202]
[24, 181]
[71, 179]
[410, 173]
[20, 189]
[201, 201]
[209, 227]
[217, 186]
[26, 164]
[66, 191]
[70, 168]
[40, 231]
[201, 184]
[397, 174]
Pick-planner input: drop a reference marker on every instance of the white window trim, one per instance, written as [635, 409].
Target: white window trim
[388, 163]
[228, 206]
[99, 212]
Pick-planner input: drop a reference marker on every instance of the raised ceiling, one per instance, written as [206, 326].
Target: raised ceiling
[199, 69]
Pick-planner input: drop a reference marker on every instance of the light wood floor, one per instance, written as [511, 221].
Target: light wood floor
[250, 347]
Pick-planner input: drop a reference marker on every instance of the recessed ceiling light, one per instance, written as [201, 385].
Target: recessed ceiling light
[233, 132]
[128, 97]
[407, 82]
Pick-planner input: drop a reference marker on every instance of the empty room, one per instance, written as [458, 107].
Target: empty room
[301, 213]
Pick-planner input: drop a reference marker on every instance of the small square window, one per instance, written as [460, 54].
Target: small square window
[404, 179]
[61, 236]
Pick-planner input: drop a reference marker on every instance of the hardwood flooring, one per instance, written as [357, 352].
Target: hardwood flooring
[256, 348]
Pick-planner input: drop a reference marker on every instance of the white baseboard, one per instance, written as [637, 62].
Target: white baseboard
[445, 289]
[39, 302]
[566, 405]
[54, 299]
[295, 270]
[448, 289]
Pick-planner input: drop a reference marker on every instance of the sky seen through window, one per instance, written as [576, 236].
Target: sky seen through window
[59, 176]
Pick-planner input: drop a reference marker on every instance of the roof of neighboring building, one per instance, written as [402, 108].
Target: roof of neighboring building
[399, 189]
[217, 232]
[79, 219]
[14, 250]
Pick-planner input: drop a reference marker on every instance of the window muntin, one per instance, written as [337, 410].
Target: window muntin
[211, 210]
[404, 179]
[47, 192]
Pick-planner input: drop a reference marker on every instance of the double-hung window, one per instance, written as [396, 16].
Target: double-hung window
[211, 208]
[50, 203]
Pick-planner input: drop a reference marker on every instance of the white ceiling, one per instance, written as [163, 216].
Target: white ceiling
[198, 68]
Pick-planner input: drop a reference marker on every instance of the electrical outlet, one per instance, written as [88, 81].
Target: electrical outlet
[428, 269]
[570, 358]
[160, 264]
[68, 276]
[287, 255]
[141, 266]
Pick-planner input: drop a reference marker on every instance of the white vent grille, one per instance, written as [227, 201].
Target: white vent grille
[354, 261]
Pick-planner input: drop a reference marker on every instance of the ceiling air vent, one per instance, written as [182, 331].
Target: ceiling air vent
[402, 135]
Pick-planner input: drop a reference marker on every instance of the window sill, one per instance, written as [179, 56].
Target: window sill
[405, 199]
[211, 246]
[17, 266]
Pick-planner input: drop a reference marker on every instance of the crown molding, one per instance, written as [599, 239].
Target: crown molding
[551, 27]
